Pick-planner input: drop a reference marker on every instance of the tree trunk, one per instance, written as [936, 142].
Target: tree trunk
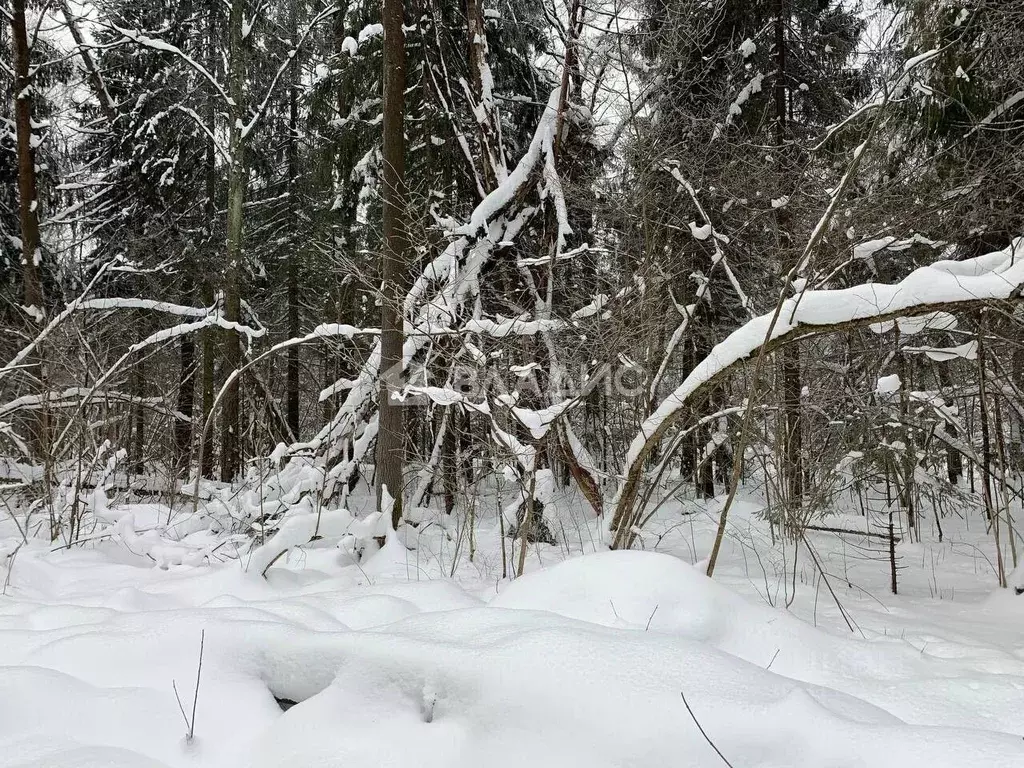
[391, 435]
[186, 403]
[231, 455]
[793, 471]
[986, 453]
[292, 385]
[1016, 427]
[908, 461]
[28, 202]
[954, 461]
[138, 446]
[792, 389]
[477, 54]
[209, 336]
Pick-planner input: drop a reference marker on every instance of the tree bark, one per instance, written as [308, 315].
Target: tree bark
[954, 461]
[209, 336]
[390, 456]
[986, 452]
[231, 455]
[292, 375]
[792, 387]
[28, 203]
[186, 402]
[477, 54]
[138, 444]
[908, 461]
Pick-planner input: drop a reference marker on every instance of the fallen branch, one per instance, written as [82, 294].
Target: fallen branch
[848, 532]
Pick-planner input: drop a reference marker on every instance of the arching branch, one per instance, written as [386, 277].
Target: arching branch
[945, 286]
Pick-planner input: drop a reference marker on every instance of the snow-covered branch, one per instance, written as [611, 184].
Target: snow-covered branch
[133, 36]
[943, 286]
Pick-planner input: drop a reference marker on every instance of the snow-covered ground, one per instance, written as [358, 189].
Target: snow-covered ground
[421, 657]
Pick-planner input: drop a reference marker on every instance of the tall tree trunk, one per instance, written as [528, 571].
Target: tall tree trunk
[209, 280]
[1016, 429]
[292, 395]
[908, 460]
[231, 454]
[793, 471]
[390, 455]
[186, 381]
[480, 84]
[182, 428]
[28, 202]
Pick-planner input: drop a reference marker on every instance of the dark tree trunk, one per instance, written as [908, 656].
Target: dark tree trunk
[390, 457]
[231, 451]
[954, 461]
[28, 203]
[792, 389]
[138, 445]
[793, 471]
[292, 398]
[209, 336]
[477, 49]
[186, 403]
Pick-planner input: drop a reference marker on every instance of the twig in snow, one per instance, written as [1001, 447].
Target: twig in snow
[842, 611]
[190, 724]
[702, 733]
[10, 569]
[651, 618]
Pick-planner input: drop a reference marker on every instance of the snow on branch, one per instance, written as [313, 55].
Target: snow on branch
[736, 107]
[201, 124]
[261, 109]
[704, 281]
[435, 304]
[133, 36]
[158, 337]
[205, 316]
[882, 96]
[1000, 110]
[521, 175]
[942, 286]
[129, 303]
[15, 363]
[72, 396]
[503, 328]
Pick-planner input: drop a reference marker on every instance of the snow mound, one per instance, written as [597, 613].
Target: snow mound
[486, 686]
[584, 663]
[659, 593]
[624, 589]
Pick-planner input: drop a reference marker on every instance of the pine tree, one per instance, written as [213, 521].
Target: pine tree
[740, 90]
[952, 136]
[153, 145]
[444, 177]
[28, 162]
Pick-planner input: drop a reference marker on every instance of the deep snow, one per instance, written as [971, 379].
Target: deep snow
[581, 662]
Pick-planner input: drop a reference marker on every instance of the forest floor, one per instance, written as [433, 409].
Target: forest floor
[418, 656]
